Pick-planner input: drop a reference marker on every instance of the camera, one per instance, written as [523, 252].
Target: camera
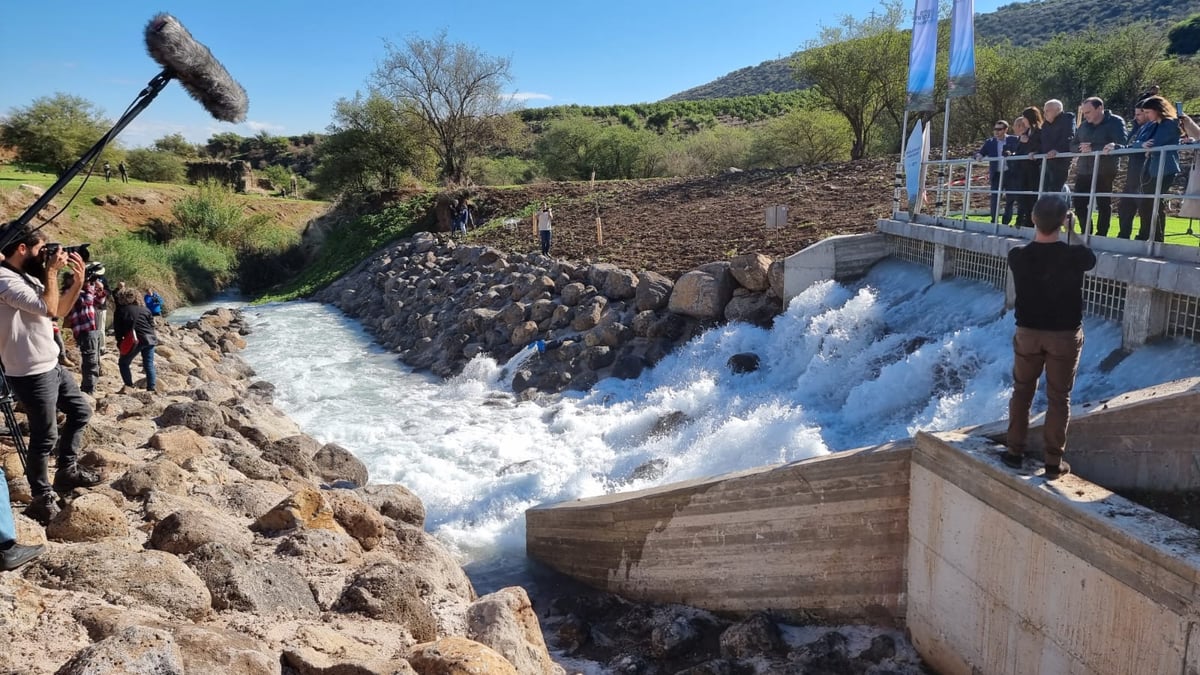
[51, 249]
[93, 271]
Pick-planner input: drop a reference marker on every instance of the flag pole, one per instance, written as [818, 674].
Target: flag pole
[898, 179]
[944, 171]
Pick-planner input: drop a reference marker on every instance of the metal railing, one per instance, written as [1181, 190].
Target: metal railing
[951, 192]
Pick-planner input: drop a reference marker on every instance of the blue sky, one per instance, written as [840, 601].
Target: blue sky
[296, 59]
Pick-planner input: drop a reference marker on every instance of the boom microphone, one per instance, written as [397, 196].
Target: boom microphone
[190, 62]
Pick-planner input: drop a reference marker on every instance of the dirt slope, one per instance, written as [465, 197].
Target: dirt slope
[675, 224]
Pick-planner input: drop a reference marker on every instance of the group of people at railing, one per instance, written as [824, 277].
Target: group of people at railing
[1024, 160]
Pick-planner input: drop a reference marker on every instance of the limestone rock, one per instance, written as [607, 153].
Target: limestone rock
[295, 451]
[161, 475]
[89, 517]
[237, 583]
[751, 271]
[335, 463]
[506, 622]
[702, 294]
[396, 502]
[653, 291]
[253, 498]
[356, 516]
[324, 545]
[458, 656]
[185, 531]
[389, 592]
[202, 417]
[311, 662]
[305, 508]
[125, 576]
[180, 444]
[136, 650]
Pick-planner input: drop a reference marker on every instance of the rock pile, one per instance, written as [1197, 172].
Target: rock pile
[225, 540]
[439, 304]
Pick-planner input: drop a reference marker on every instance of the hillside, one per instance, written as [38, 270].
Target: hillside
[1023, 23]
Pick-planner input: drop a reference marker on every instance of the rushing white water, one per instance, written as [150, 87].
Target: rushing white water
[845, 366]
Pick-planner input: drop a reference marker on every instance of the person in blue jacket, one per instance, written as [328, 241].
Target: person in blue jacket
[1001, 144]
[154, 302]
[1161, 130]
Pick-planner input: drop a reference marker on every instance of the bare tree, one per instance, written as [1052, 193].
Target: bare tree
[455, 89]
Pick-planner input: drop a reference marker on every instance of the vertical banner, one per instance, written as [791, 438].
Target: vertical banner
[962, 49]
[916, 152]
[922, 57]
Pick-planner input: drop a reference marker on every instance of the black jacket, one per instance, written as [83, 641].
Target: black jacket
[136, 318]
[1110, 130]
[1057, 135]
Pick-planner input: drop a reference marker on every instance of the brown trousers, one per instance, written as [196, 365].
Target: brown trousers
[1056, 352]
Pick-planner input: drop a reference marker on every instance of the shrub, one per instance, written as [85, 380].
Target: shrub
[503, 171]
[155, 166]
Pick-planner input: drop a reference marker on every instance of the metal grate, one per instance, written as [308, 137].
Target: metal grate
[1104, 298]
[990, 269]
[1183, 315]
[911, 250]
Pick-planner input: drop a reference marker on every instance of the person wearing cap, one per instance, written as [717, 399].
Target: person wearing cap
[89, 334]
[1048, 277]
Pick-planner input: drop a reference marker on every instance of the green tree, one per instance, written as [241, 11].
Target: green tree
[567, 146]
[709, 151]
[177, 145]
[859, 66]
[54, 131]
[454, 89]
[225, 145]
[1184, 37]
[370, 145]
[1003, 85]
[803, 137]
[155, 166]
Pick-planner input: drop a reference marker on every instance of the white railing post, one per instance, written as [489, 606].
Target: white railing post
[1162, 164]
[1091, 209]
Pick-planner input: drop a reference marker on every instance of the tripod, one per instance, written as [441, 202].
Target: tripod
[10, 418]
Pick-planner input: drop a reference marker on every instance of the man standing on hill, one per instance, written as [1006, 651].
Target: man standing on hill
[1099, 130]
[545, 224]
[1057, 130]
[1048, 275]
[30, 304]
[123, 171]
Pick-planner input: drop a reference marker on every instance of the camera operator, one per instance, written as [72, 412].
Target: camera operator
[84, 323]
[30, 303]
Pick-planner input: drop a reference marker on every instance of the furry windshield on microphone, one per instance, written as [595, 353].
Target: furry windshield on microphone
[204, 78]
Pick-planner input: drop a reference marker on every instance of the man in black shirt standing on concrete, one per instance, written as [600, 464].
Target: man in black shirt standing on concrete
[1048, 275]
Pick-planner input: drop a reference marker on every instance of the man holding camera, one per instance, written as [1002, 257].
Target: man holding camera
[30, 303]
[1048, 276]
[84, 323]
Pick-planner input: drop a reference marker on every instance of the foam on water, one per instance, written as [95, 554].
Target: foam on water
[845, 366]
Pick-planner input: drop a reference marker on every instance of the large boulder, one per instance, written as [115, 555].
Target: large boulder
[89, 517]
[161, 475]
[653, 291]
[458, 656]
[187, 530]
[751, 271]
[703, 293]
[395, 501]
[125, 576]
[335, 463]
[202, 417]
[389, 592]
[237, 583]
[759, 309]
[506, 622]
[304, 508]
[134, 651]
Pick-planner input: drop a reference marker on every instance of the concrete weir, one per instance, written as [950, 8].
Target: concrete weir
[990, 570]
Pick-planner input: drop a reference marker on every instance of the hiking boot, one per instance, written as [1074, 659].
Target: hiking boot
[43, 509]
[1012, 460]
[1054, 471]
[73, 476]
[16, 555]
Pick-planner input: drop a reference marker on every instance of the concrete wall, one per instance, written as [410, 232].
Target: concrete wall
[838, 258]
[1011, 574]
[818, 540]
[1144, 439]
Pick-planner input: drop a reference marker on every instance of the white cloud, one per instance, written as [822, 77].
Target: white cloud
[522, 96]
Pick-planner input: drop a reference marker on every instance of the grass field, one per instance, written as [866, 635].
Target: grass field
[1180, 231]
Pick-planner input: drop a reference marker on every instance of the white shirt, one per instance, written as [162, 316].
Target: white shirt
[27, 345]
[544, 218]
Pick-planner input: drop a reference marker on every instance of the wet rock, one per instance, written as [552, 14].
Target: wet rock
[651, 470]
[628, 367]
[751, 637]
[827, 654]
[759, 309]
[703, 293]
[746, 362]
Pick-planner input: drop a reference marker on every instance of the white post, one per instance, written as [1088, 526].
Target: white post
[945, 145]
